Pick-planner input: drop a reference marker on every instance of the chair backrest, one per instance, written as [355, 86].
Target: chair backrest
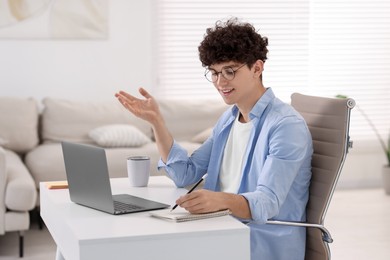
[328, 121]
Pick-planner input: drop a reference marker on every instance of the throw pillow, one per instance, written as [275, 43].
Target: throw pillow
[202, 136]
[118, 136]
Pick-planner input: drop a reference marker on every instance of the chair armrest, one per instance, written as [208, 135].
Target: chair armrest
[325, 233]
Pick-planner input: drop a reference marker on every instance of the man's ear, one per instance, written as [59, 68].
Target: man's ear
[258, 67]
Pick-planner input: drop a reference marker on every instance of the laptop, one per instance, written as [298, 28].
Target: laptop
[89, 182]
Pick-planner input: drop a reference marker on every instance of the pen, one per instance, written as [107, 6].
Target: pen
[193, 188]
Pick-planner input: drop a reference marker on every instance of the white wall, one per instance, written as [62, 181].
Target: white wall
[95, 70]
[83, 69]
[363, 166]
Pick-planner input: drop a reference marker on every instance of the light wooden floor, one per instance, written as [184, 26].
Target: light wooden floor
[359, 221]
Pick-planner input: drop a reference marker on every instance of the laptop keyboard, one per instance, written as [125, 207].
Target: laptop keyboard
[124, 207]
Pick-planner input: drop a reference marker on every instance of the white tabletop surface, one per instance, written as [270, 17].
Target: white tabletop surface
[80, 231]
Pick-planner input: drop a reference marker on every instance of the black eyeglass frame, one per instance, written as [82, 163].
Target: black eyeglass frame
[207, 71]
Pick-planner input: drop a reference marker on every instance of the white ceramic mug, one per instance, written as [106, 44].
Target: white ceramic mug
[138, 170]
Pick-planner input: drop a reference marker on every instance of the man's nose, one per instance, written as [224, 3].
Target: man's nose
[220, 79]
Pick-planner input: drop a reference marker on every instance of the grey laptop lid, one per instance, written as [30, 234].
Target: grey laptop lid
[89, 181]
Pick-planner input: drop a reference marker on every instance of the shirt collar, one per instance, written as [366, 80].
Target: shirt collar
[260, 106]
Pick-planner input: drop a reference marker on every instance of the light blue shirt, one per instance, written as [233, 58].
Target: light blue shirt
[275, 179]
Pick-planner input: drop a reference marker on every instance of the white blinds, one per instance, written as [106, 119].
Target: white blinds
[319, 47]
[182, 24]
[350, 54]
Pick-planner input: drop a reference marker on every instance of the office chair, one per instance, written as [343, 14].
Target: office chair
[328, 121]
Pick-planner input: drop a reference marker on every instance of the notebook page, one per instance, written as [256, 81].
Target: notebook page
[182, 216]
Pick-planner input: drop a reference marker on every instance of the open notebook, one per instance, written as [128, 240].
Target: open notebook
[182, 215]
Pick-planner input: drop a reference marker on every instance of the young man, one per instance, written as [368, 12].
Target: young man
[258, 156]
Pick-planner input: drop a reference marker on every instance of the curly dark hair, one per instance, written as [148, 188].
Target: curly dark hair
[232, 41]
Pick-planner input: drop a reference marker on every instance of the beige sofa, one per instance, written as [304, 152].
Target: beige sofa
[76, 121]
[18, 135]
[31, 139]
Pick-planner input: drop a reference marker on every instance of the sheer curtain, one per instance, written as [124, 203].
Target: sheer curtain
[318, 47]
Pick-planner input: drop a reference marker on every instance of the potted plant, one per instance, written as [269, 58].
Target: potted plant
[386, 149]
[386, 170]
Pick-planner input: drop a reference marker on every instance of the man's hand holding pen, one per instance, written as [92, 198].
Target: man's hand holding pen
[202, 201]
[205, 201]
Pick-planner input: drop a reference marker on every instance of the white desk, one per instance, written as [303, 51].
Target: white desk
[84, 233]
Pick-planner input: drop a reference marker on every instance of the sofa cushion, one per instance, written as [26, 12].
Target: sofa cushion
[187, 118]
[52, 167]
[71, 120]
[19, 123]
[110, 136]
[46, 162]
[16, 221]
[20, 191]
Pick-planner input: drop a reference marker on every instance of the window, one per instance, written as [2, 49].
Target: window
[317, 47]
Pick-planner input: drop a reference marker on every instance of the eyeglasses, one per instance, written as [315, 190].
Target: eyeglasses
[227, 72]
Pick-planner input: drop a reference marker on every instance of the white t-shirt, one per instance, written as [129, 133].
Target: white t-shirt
[232, 161]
